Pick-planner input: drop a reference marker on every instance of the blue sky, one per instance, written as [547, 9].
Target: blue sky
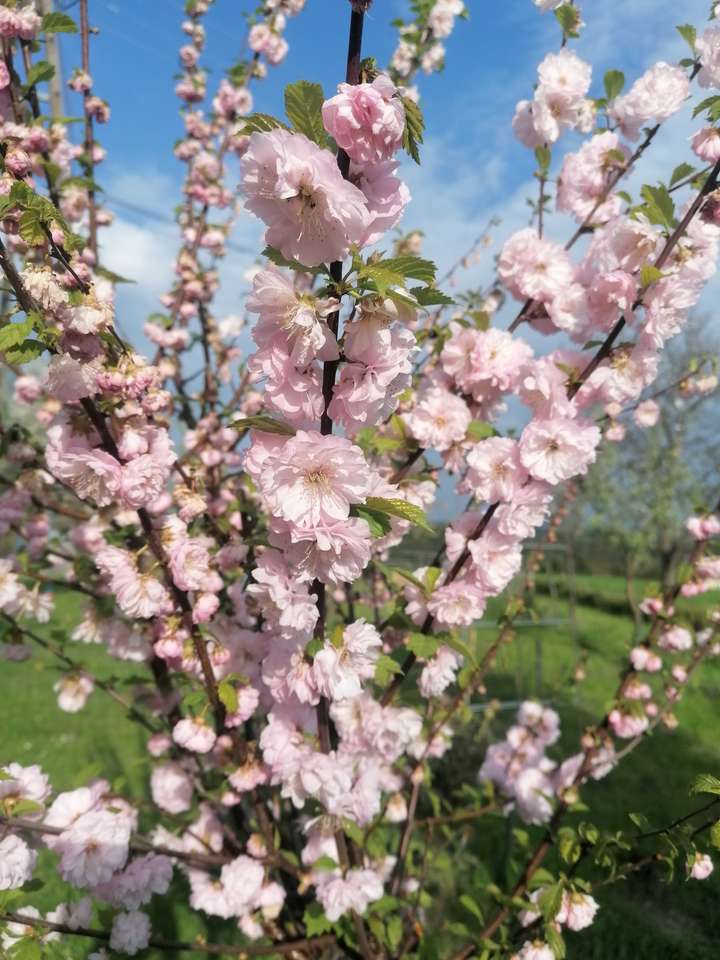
[473, 167]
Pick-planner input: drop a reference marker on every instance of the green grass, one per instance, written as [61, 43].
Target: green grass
[644, 919]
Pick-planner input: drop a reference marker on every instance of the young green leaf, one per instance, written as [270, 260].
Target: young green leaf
[261, 123]
[400, 508]
[274, 256]
[25, 352]
[13, 334]
[38, 73]
[659, 206]
[705, 783]
[689, 34]
[262, 422]
[385, 668]
[378, 523]
[614, 82]
[58, 23]
[303, 106]
[228, 696]
[414, 128]
[423, 645]
[681, 172]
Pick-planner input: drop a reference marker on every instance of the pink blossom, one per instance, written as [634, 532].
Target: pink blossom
[439, 419]
[172, 788]
[339, 669]
[311, 212]
[702, 867]
[242, 881]
[533, 796]
[366, 120]
[707, 46]
[137, 594]
[93, 847]
[386, 196]
[646, 414]
[17, 862]
[332, 553]
[656, 95]
[73, 692]
[675, 638]
[130, 932]
[439, 672]
[706, 144]
[535, 949]
[24, 783]
[314, 479]
[295, 320]
[496, 472]
[532, 267]
[555, 450]
[355, 891]
[702, 528]
[194, 734]
[627, 725]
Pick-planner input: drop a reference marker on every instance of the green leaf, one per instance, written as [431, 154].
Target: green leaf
[303, 106]
[649, 275]
[639, 819]
[58, 23]
[423, 645]
[711, 104]
[450, 640]
[228, 696]
[568, 17]
[400, 508]
[689, 34]
[681, 172]
[414, 128]
[614, 82]
[431, 297]
[705, 783]
[315, 920]
[378, 522]
[715, 835]
[26, 806]
[555, 941]
[660, 207]
[394, 929]
[550, 901]
[385, 668]
[279, 260]
[32, 225]
[26, 949]
[480, 430]
[324, 863]
[381, 277]
[25, 352]
[414, 267]
[13, 334]
[262, 422]
[543, 155]
[474, 909]
[261, 123]
[38, 72]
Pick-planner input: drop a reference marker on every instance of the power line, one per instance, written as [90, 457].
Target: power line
[163, 218]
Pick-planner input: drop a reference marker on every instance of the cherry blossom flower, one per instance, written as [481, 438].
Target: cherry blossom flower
[312, 213]
[366, 120]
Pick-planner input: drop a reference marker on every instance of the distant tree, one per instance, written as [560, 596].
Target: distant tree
[638, 493]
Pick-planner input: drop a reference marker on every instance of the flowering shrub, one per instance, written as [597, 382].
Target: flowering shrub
[235, 541]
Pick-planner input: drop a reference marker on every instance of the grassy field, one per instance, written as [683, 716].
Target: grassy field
[643, 920]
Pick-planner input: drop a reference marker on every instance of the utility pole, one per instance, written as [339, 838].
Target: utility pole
[57, 99]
